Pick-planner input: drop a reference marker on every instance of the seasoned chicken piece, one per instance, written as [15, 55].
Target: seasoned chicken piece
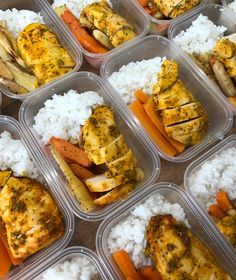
[224, 48]
[230, 65]
[177, 254]
[42, 52]
[191, 138]
[114, 150]
[167, 76]
[114, 26]
[183, 7]
[228, 227]
[30, 215]
[4, 177]
[100, 129]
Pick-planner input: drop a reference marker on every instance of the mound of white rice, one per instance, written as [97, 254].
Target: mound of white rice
[14, 156]
[216, 173]
[129, 233]
[63, 115]
[76, 6]
[18, 20]
[232, 6]
[134, 76]
[201, 36]
[76, 268]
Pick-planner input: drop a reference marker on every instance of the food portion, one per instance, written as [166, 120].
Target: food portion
[23, 66]
[87, 144]
[213, 185]
[95, 24]
[155, 242]
[213, 52]
[165, 107]
[170, 9]
[74, 267]
[30, 220]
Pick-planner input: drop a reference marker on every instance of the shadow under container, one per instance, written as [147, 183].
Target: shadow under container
[219, 16]
[18, 273]
[220, 118]
[63, 37]
[81, 82]
[124, 8]
[67, 254]
[160, 26]
[173, 194]
[229, 142]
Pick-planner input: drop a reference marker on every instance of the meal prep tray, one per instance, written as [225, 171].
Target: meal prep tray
[220, 118]
[174, 195]
[81, 82]
[18, 273]
[123, 7]
[219, 16]
[63, 37]
[193, 167]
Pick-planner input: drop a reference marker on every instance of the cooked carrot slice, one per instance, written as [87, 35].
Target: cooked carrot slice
[141, 96]
[5, 260]
[143, 2]
[216, 212]
[149, 273]
[81, 172]
[232, 100]
[223, 201]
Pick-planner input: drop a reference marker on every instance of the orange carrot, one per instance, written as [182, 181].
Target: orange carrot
[70, 152]
[151, 11]
[150, 108]
[127, 268]
[223, 201]
[138, 110]
[81, 34]
[232, 100]
[5, 260]
[216, 212]
[141, 96]
[143, 2]
[81, 172]
[149, 273]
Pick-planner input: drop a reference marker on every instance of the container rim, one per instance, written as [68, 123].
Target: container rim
[41, 156]
[214, 91]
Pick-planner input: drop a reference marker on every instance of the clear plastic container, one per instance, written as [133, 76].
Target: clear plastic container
[11, 125]
[219, 16]
[81, 82]
[124, 8]
[63, 37]
[174, 195]
[228, 142]
[225, 3]
[160, 26]
[220, 118]
[62, 256]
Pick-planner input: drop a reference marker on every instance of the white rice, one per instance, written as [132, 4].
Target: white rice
[232, 6]
[201, 36]
[134, 76]
[216, 173]
[76, 6]
[63, 115]
[18, 20]
[129, 233]
[14, 156]
[76, 268]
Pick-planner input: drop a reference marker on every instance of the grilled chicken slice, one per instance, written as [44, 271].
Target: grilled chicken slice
[224, 48]
[228, 227]
[230, 65]
[191, 138]
[4, 177]
[114, 26]
[177, 254]
[42, 52]
[112, 151]
[183, 7]
[30, 215]
[100, 129]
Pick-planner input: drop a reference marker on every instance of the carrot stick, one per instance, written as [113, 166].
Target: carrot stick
[150, 108]
[70, 152]
[81, 172]
[216, 212]
[149, 273]
[223, 201]
[143, 2]
[5, 260]
[138, 110]
[81, 34]
[127, 268]
[141, 96]
[232, 100]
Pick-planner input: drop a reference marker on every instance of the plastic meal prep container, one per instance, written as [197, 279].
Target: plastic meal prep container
[219, 16]
[66, 254]
[63, 37]
[225, 3]
[125, 9]
[220, 118]
[228, 142]
[81, 82]
[174, 195]
[11, 125]
[160, 26]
